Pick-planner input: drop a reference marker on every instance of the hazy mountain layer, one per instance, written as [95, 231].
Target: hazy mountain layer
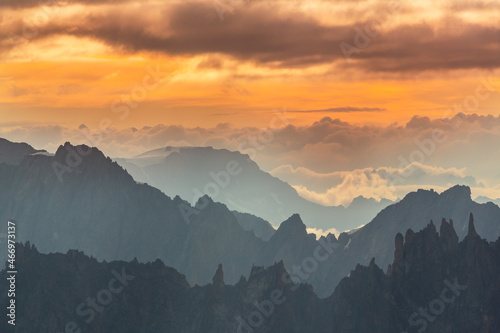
[235, 180]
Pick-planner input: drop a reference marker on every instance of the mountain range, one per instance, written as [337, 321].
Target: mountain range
[192, 172]
[434, 284]
[90, 203]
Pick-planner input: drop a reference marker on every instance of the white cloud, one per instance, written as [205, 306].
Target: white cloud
[321, 232]
[341, 187]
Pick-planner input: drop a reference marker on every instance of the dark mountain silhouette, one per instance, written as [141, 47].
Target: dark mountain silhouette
[12, 153]
[434, 284]
[190, 171]
[412, 213]
[98, 208]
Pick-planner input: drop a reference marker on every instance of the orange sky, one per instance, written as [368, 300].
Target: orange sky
[80, 62]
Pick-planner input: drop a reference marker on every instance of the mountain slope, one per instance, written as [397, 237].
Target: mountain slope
[261, 228]
[97, 207]
[414, 212]
[12, 153]
[238, 182]
[100, 209]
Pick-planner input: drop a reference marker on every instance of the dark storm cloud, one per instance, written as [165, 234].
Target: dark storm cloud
[274, 39]
[18, 4]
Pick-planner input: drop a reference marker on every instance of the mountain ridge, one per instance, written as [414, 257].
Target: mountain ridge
[189, 171]
[100, 209]
[434, 284]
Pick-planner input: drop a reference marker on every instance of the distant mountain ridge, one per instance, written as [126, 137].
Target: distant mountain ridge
[191, 172]
[483, 199]
[12, 153]
[261, 228]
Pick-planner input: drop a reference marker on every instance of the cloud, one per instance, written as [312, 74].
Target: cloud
[341, 109]
[264, 34]
[42, 135]
[477, 5]
[329, 161]
[326, 146]
[321, 232]
[50, 3]
[340, 188]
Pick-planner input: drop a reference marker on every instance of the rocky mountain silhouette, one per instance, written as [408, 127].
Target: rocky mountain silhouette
[99, 208]
[434, 284]
[12, 153]
[414, 212]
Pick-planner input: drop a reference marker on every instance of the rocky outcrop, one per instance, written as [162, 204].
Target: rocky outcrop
[56, 291]
[435, 284]
[218, 280]
[414, 212]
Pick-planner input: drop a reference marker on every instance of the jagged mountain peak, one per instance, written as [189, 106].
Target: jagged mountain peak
[218, 279]
[330, 237]
[430, 229]
[275, 270]
[88, 160]
[293, 226]
[372, 263]
[471, 229]
[420, 194]
[448, 235]
[458, 192]
[204, 201]
[83, 152]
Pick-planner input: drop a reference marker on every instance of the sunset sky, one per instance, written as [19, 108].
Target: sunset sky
[380, 74]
